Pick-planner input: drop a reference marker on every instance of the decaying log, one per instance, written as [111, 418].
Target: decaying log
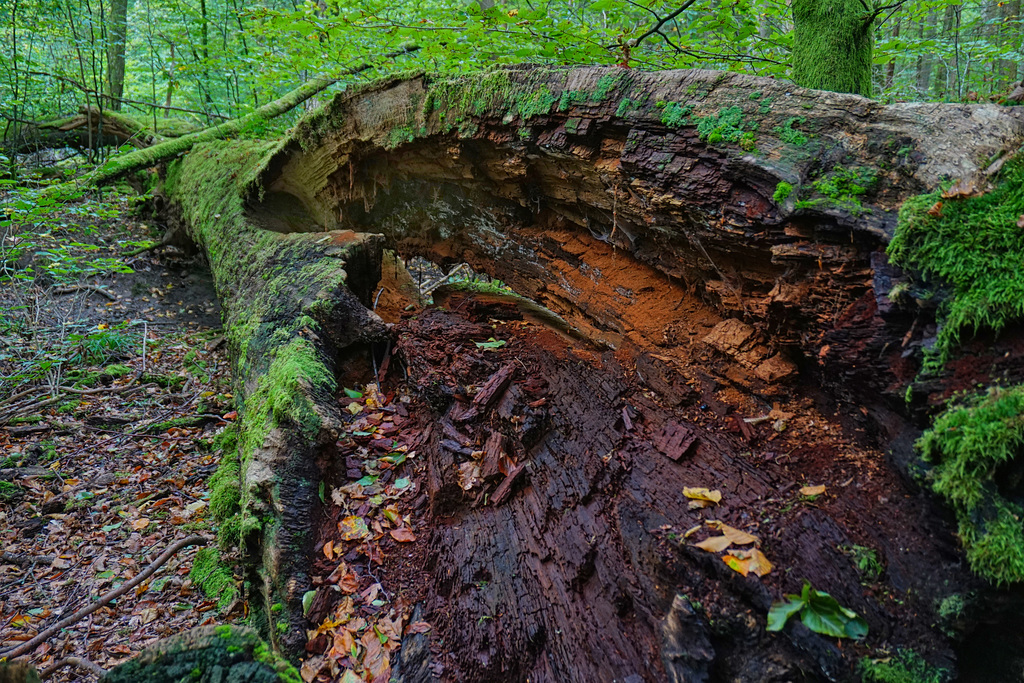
[656, 213]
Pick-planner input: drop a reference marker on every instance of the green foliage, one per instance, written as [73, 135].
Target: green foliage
[974, 247]
[866, 561]
[782, 192]
[906, 667]
[10, 492]
[968, 445]
[819, 612]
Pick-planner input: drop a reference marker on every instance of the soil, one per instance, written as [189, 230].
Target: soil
[562, 558]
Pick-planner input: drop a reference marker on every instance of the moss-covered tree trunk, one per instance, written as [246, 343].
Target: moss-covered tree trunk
[832, 45]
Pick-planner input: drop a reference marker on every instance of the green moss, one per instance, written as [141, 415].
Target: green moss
[756, 95]
[782, 192]
[790, 135]
[727, 126]
[627, 106]
[226, 491]
[906, 667]
[832, 46]
[284, 669]
[399, 136]
[674, 114]
[974, 247]
[968, 446]
[10, 492]
[214, 577]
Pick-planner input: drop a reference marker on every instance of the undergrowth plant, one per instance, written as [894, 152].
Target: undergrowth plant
[970, 445]
[905, 667]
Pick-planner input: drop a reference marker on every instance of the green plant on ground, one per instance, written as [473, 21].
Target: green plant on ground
[973, 246]
[968, 445]
[866, 561]
[819, 612]
[674, 114]
[789, 134]
[905, 667]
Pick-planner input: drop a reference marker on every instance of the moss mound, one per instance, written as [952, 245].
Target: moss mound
[974, 447]
[974, 247]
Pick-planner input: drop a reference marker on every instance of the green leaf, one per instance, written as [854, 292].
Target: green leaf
[352, 393]
[403, 483]
[491, 344]
[307, 601]
[780, 612]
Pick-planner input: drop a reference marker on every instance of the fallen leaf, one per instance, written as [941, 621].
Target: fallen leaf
[936, 210]
[403, 535]
[714, 544]
[812, 490]
[469, 475]
[140, 524]
[311, 667]
[702, 494]
[1020, 222]
[354, 408]
[375, 661]
[735, 535]
[418, 627]
[329, 550]
[759, 564]
[737, 564]
[691, 531]
[962, 189]
[353, 528]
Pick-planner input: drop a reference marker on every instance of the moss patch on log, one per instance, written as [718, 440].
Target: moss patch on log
[972, 245]
[973, 446]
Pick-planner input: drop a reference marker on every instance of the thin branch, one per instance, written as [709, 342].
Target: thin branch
[29, 645]
[656, 28]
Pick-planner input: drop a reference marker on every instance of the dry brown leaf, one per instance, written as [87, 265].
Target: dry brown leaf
[936, 210]
[418, 627]
[812, 490]
[759, 564]
[329, 550]
[469, 475]
[311, 667]
[714, 544]
[403, 535]
[1020, 222]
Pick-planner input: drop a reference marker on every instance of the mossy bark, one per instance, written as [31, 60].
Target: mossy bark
[291, 302]
[832, 45]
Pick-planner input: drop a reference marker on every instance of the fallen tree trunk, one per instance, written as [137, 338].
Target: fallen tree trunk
[719, 230]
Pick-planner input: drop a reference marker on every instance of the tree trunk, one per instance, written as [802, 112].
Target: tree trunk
[832, 45]
[117, 33]
[684, 221]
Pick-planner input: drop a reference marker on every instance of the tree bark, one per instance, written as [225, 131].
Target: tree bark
[117, 35]
[638, 208]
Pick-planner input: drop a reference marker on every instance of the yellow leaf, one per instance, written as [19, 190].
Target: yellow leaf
[812, 490]
[739, 565]
[759, 564]
[354, 408]
[735, 535]
[140, 524]
[698, 493]
[691, 531]
[353, 528]
[714, 544]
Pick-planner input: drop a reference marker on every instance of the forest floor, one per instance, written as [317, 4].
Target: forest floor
[113, 385]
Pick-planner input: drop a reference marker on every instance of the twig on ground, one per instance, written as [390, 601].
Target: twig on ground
[25, 560]
[30, 645]
[77, 662]
[70, 289]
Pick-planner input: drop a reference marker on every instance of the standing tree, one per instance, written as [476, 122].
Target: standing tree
[118, 32]
[832, 45]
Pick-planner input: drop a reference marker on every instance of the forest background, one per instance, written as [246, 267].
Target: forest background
[206, 60]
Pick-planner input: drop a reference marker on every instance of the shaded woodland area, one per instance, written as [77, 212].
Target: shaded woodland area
[636, 362]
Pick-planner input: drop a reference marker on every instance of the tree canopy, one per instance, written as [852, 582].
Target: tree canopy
[214, 59]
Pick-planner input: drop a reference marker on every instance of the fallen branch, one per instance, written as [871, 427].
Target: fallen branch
[29, 645]
[77, 662]
[70, 289]
[25, 560]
